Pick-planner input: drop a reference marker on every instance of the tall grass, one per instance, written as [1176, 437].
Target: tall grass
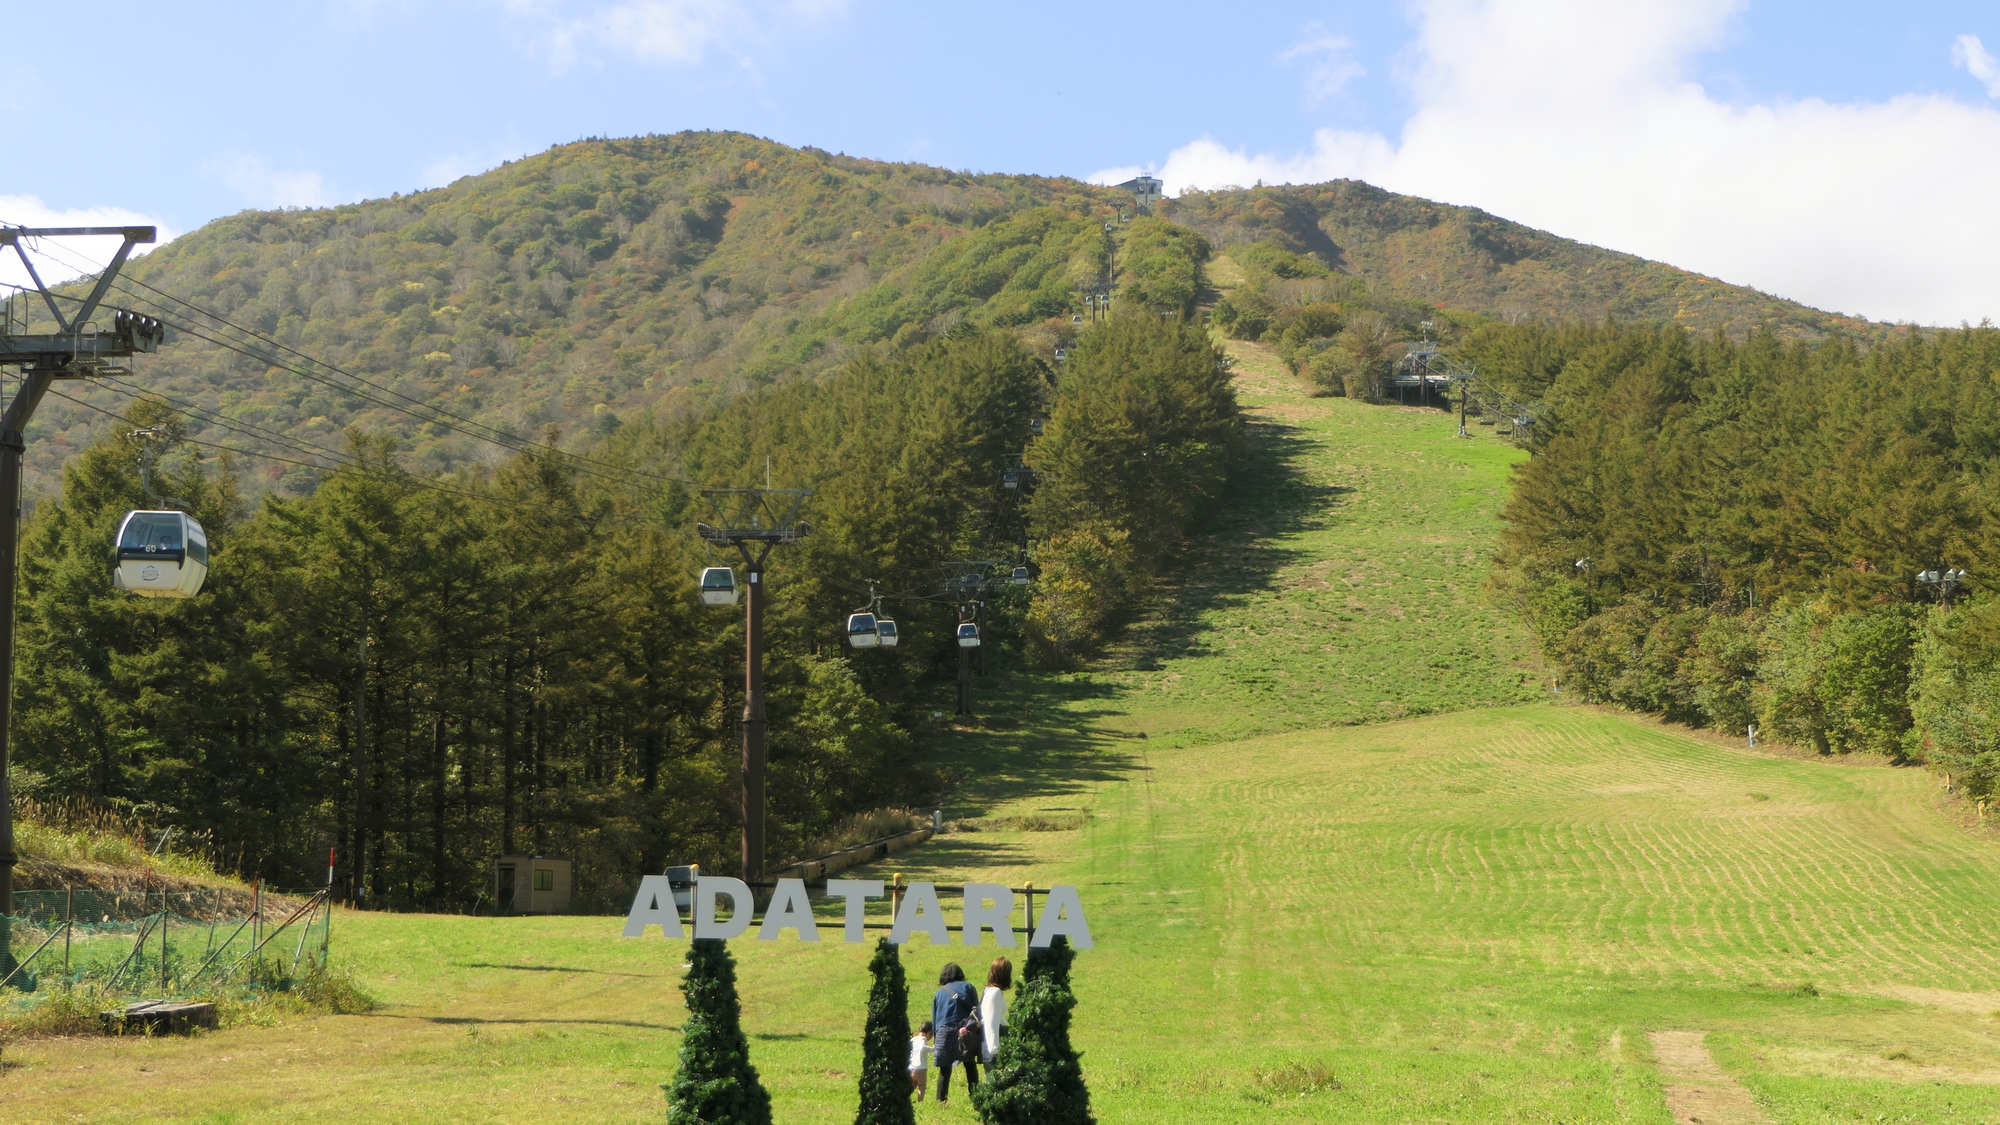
[75, 831]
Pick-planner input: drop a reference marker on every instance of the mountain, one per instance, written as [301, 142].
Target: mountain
[612, 281]
[1463, 258]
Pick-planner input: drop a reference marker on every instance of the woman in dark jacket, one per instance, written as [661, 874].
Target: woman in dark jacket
[950, 1008]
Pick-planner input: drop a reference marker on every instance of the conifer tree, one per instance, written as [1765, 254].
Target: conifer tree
[715, 1085]
[885, 1083]
[1037, 1077]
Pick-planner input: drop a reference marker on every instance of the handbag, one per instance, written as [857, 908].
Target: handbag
[971, 1037]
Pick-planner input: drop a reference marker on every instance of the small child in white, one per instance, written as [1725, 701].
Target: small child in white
[920, 1047]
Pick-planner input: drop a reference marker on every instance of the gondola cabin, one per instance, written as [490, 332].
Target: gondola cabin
[1010, 479]
[718, 586]
[1020, 576]
[885, 632]
[161, 555]
[968, 635]
[861, 632]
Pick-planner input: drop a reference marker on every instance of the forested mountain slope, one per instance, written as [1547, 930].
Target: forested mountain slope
[1463, 258]
[591, 283]
[609, 280]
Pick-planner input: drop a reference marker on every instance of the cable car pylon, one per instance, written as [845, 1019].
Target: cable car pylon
[70, 352]
[753, 520]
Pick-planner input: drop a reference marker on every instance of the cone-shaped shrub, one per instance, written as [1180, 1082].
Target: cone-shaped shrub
[1052, 960]
[885, 1043]
[715, 1085]
[1037, 1078]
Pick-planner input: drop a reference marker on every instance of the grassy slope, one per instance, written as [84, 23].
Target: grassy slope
[1472, 916]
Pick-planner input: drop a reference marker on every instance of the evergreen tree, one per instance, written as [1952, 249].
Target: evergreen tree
[715, 1085]
[1037, 1077]
[885, 1082]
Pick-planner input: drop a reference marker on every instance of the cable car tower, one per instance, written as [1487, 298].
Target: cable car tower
[75, 350]
[966, 583]
[753, 520]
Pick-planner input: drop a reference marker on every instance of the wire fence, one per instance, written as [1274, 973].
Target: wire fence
[137, 940]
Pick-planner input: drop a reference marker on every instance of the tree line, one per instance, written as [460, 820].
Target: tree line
[427, 671]
[1735, 533]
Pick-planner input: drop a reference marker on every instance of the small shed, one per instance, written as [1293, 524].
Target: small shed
[532, 884]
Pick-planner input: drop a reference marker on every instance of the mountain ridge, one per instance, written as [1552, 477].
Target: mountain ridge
[646, 278]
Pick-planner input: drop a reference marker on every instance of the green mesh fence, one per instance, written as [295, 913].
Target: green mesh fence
[170, 942]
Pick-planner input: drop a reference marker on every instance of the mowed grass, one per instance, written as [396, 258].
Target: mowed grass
[1341, 581]
[1469, 916]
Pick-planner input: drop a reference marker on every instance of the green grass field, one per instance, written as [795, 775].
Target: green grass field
[1477, 914]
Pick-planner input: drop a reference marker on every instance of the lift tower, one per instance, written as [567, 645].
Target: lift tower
[73, 351]
[764, 517]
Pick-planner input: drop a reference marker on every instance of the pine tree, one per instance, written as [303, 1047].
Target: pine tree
[1037, 1078]
[885, 1082]
[715, 1085]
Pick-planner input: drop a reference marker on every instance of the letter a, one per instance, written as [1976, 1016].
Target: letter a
[921, 912]
[654, 906]
[789, 907]
[1062, 915]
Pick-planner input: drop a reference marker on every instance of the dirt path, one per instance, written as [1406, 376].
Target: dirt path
[1698, 1092]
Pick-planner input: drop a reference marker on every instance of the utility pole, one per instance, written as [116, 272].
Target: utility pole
[70, 352]
[754, 520]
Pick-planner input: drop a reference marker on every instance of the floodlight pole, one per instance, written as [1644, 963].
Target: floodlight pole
[68, 353]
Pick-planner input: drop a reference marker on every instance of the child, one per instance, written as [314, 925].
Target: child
[920, 1045]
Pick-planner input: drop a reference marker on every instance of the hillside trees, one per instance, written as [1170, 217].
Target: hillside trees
[426, 672]
[593, 285]
[1142, 439]
[1729, 534]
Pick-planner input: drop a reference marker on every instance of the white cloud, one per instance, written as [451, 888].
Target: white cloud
[1968, 52]
[1333, 67]
[260, 185]
[1580, 118]
[1109, 176]
[670, 32]
[62, 259]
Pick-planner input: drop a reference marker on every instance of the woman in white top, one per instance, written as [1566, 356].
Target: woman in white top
[993, 1006]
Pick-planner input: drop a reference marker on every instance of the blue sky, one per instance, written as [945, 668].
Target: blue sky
[183, 113]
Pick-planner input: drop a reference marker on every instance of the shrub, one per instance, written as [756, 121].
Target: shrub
[715, 1083]
[1037, 1077]
[885, 1043]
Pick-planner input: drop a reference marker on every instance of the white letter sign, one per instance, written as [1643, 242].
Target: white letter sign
[789, 908]
[920, 911]
[654, 906]
[857, 892]
[1063, 915]
[998, 917]
[740, 907]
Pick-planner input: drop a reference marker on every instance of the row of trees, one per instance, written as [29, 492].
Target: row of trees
[1732, 533]
[427, 672]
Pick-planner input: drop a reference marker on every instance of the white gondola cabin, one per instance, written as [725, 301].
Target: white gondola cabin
[861, 632]
[1020, 576]
[161, 555]
[885, 631]
[718, 586]
[968, 635]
